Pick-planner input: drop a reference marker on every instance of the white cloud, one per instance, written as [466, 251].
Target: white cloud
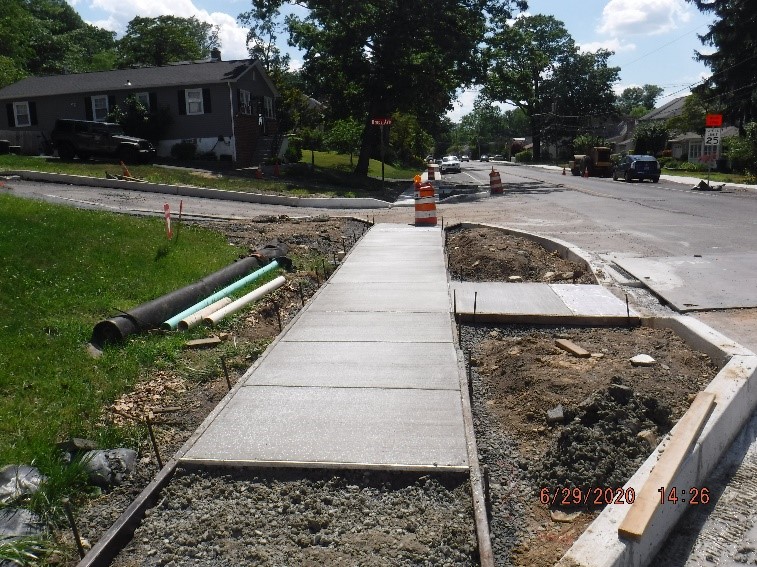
[642, 17]
[119, 13]
[613, 44]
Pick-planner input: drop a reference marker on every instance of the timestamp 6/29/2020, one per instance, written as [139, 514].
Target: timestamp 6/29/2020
[693, 495]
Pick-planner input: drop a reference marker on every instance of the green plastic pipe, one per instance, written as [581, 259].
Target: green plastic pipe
[173, 322]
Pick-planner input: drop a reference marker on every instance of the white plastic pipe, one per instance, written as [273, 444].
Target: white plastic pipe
[173, 322]
[235, 306]
[196, 318]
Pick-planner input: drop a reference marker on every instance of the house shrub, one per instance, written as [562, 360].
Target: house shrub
[524, 157]
[742, 150]
[692, 166]
[184, 151]
[293, 152]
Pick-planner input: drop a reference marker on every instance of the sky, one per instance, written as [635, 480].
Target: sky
[653, 40]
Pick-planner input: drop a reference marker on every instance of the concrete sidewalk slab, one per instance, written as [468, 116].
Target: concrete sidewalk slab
[430, 366]
[496, 298]
[394, 327]
[690, 283]
[369, 271]
[539, 303]
[361, 427]
[390, 296]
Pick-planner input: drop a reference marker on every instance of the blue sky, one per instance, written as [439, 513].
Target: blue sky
[653, 40]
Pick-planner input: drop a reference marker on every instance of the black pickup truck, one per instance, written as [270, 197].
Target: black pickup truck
[85, 138]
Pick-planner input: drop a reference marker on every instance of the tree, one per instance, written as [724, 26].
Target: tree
[733, 64]
[138, 121]
[408, 140]
[48, 36]
[585, 142]
[742, 150]
[650, 138]
[344, 136]
[369, 58]
[637, 101]
[166, 39]
[538, 68]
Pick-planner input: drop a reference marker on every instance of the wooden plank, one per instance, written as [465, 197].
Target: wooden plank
[572, 348]
[201, 343]
[683, 437]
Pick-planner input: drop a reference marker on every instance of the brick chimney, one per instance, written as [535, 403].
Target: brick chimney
[215, 54]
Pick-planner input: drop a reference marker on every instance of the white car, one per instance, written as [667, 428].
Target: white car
[450, 164]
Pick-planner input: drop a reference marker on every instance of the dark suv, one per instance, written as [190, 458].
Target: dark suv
[85, 138]
[637, 167]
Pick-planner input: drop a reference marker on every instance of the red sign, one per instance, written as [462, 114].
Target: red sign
[713, 120]
[381, 121]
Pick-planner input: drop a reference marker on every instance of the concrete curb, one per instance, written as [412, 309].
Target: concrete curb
[735, 389]
[188, 191]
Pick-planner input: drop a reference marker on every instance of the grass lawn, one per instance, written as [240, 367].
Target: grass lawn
[63, 270]
[332, 176]
[714, 176]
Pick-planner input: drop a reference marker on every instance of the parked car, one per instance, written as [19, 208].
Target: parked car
[450, 164]
[464, 158]
[484, 157]
[637, 167]
[498, 157]
[86, 138]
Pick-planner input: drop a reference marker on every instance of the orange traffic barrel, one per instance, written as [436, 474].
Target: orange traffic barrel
[425, 205]
[495, 182]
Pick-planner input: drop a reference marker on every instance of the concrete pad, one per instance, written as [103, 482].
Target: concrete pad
[316, 326]
[382, 297]
[495, 298]
[404, 253]
[399, 235]
[593, 300]
[367, 272]
[691, 284]
[345, 426]
[431, 366]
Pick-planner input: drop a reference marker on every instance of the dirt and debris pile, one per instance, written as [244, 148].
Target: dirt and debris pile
[487, 254]
[604, 443]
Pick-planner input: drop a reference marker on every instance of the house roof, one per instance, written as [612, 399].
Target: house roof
[177, 74]
[672, 108]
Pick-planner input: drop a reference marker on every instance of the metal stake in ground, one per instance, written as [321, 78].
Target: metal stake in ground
[225, 372]
[153, 441]
[487, 494]
[72, 523]
[278, 313]
[475, 301]
[302, 295]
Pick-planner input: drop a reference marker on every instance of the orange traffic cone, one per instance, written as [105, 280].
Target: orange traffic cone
[259, 172]
[125, 170]
[563, 171]
[586, 172]
[276, 170]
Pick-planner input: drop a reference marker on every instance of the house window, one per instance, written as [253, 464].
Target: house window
[194, 101]
[268, 105]
[100, 108]
[695, 150]
[21, 113]
[245, 106]
[143, 99]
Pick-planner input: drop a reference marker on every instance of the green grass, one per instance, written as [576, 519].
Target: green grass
[714, 176]
[62, 271]
[332, 176]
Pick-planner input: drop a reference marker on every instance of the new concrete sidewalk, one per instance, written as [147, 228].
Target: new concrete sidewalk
[366, 376]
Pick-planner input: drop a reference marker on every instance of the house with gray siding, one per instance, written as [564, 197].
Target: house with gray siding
[226, 108]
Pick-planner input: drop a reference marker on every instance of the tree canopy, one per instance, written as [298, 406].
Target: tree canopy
[537, 67]
[369, 58]
[40, 37]
[166, 39]
[733, 63]
[637, 101]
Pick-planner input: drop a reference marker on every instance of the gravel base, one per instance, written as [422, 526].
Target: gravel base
[283, 517]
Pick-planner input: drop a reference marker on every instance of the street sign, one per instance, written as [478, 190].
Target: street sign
[713, 120]
[712, 136]
[381, 121]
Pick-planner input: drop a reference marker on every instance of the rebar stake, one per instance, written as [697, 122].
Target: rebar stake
[302, 295]
[154, 442]
[278, 313]
[487, 493]
[475, 301]
[72, 523]
[225, 372]
[628, 311]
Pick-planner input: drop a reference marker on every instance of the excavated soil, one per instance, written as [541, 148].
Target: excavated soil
[613, 413]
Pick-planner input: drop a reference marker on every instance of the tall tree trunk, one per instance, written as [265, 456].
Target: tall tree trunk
[536, 137]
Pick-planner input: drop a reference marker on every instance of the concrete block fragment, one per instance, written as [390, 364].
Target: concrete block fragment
[643, 360]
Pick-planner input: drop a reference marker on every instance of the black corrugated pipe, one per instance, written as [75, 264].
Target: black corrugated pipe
[151, 314]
